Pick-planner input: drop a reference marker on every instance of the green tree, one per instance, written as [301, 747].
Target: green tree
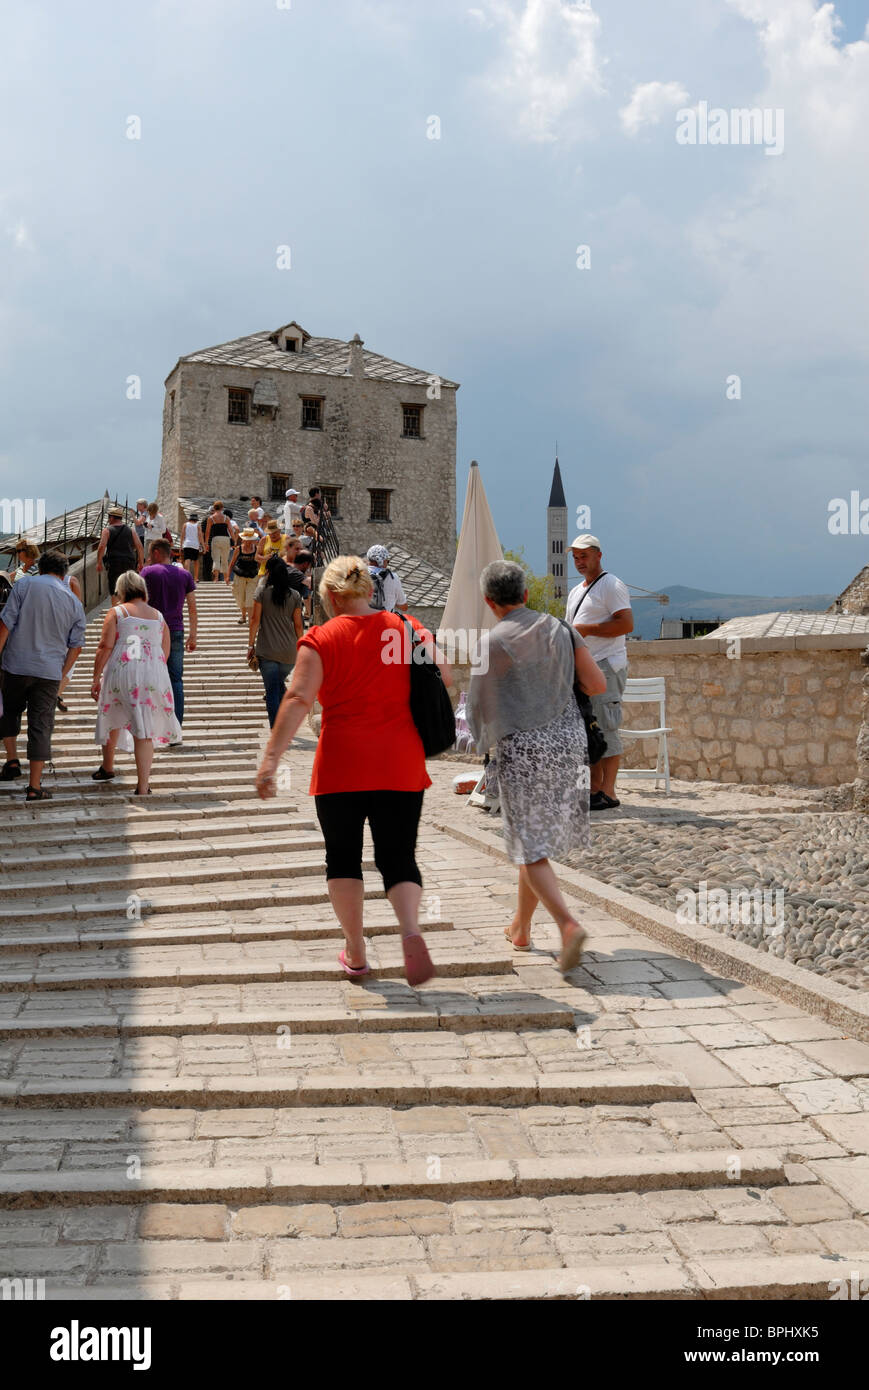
[541, 587]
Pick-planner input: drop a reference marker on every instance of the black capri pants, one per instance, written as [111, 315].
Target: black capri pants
[394, 820]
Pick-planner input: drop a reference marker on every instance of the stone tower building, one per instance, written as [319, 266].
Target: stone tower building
[556, 535]
[273, 410]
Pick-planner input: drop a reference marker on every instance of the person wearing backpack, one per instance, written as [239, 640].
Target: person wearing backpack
[387, 596]
[120, 549]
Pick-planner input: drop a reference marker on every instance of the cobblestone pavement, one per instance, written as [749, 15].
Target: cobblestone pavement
[811, 862]
[194, 1103]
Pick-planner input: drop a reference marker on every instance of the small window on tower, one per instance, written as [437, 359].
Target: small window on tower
[379, 503]
[411, 421]
[239, 407]
[312, 412]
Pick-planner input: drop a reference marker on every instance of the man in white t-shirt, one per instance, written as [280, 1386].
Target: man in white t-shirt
[600, 610]
[292, 510]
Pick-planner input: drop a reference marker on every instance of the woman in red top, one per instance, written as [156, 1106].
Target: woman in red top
[369, 763]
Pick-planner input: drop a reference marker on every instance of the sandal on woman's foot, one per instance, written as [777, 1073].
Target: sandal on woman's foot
[572, 942]
[102, 774]
[10, 770]
[524, 946]
[417, 962]
[64, 709]
[138, 793]
[37, 794]
[353, 970]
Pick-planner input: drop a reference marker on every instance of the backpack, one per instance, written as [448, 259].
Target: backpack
[378, 597]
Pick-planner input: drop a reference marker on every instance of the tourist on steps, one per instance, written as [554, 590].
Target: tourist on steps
[243, 572]
[369, 763]
[275, 628]
[42, 629]
[218, 532]
[131, 682]
[170, 587]
[121, 549]
[192, 545]
[521, 703]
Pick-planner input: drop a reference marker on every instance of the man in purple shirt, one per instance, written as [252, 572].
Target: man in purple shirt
[169, 587]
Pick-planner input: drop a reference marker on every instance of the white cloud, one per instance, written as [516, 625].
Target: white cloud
[550, 63]
[650, 102]
[20, 236]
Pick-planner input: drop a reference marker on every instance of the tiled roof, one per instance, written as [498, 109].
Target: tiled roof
[424, 586]
[790, 625]
[321, 356]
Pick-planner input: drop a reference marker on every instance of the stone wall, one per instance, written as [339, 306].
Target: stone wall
[855, 599]
[360, 447]
[783, 710]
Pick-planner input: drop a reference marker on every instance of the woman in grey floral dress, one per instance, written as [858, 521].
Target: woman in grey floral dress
[521, 703]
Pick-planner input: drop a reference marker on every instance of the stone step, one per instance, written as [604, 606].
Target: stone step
[116, 852]
[629, 1086]
[222, 896]
[78, 840]
[764, 1278]
[456, 955]
[197, 928]
[251, 1008]
[269, 864]
[124, 822]
[387, 1181]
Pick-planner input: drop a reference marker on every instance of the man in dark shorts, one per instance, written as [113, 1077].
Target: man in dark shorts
[169, 587]
[121, 549]
[41, 633]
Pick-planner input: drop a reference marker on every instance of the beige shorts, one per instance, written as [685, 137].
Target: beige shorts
[220, 548]
[244, 590]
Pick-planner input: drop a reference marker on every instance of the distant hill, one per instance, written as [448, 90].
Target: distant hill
[700, 603]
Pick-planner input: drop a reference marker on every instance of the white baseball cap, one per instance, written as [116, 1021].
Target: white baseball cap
[586, 542]
[291, 492]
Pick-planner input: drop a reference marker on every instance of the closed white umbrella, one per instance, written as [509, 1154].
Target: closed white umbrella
[478, 546]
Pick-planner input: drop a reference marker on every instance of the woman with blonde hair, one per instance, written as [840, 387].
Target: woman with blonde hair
[369, 763]
[131, 683]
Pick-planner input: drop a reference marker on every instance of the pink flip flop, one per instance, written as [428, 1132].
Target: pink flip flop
[353, 971]
[417, 962]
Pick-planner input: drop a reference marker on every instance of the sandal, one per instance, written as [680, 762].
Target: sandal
[61, 706]
[353, 970]
[102, 774]
[417, 962]
[572, 944]
[516, 947]
[138, 793]
[10, 770]
[37, 794]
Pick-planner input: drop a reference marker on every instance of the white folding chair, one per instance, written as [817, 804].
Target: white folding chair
[641, 691]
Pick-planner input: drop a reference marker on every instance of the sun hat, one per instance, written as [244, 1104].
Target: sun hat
[115, 511]
[248, 534]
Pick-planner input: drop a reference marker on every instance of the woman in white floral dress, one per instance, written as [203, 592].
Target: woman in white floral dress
[131, 683]
[521, 703]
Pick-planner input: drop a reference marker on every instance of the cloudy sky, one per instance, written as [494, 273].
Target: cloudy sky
[307, 122]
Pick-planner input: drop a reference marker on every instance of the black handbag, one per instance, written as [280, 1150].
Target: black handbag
[430, 705]
[594, 737]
